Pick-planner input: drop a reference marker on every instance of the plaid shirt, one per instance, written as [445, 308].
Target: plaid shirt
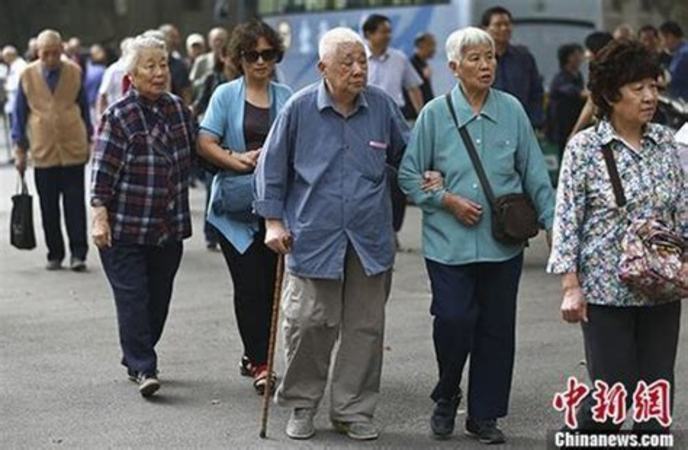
[141, 166]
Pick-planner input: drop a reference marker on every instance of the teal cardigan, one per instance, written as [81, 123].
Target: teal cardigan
[224, 119]
[513, 162]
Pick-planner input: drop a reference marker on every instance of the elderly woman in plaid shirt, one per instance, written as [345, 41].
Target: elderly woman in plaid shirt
[139, 196]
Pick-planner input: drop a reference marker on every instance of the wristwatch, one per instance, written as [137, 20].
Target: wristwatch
[96, 202]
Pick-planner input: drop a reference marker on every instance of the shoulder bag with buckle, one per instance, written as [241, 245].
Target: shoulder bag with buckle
[514, 219]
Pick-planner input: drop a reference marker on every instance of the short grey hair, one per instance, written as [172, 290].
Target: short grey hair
[147, 40]
[334, 38]
[47, 37]
[466, 37]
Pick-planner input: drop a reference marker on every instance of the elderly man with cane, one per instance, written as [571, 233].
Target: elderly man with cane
[322, 187]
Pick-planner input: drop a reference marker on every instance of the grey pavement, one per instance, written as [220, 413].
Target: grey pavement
[61, 385]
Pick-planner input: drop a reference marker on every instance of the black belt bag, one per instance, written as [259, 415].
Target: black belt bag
[514, 218]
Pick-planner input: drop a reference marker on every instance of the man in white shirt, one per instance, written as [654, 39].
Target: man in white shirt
[390, 70]
[112, 87]
[15, 65]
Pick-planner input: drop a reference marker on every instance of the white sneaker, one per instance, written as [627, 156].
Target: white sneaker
[300, 424]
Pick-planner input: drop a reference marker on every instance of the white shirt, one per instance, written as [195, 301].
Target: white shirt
[392, 72]
[12, 83]
[111, 85]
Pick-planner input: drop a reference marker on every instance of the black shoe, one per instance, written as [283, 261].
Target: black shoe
[53, 264]
[245, 367]
[77, 264]
[485, 431]
[148, 384]
[444, 417]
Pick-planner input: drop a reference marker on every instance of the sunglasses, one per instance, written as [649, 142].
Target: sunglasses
[268, 55]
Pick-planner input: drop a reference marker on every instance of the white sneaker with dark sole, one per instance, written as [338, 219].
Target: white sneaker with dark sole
[359, 431]
[300, 424]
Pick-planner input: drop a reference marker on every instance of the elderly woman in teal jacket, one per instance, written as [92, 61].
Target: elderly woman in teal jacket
[474, 277]
[232, 133]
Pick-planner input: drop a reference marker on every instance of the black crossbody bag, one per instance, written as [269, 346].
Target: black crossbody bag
[514, 219]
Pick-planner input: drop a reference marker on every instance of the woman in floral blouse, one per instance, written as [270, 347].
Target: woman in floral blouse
[628, 337]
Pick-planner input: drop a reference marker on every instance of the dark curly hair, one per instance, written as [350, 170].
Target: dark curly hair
[245, 38]
[620, 62]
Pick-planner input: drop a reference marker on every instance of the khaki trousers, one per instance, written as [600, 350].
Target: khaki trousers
[319, 313]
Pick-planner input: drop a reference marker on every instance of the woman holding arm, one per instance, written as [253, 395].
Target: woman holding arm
[231, 135]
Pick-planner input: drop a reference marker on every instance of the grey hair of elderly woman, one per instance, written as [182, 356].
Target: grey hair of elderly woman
[145, 41]
[459, 40]
[331, 40]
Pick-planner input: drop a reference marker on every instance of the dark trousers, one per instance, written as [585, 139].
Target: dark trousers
[474, 306]
[398, 206]
[208, 230]
[66, 182]
[627, 345]
[253, 277]
[141, 277]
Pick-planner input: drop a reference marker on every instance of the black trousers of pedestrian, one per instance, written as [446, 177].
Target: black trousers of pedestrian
[141, 277]
[627, 345]
[398, 205]
[474, 306]
[209, 231]
[66, 182]
[253, 277]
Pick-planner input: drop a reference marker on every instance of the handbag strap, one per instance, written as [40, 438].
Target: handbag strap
[614, 175]
[470, 148]
[21, 184]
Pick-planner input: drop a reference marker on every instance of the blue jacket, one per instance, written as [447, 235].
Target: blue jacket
[224, 119]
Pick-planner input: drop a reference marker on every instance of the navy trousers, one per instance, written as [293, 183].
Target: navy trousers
[474, 309]
[141, 277]
[66, 182]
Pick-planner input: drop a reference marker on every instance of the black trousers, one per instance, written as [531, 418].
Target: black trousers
[253, 277]
[474, 306]
[141, 277]
[627, 345]
[398, 205]
[209, 231]
[66, 182]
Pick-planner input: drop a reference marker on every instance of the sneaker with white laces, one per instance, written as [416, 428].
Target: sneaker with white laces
[148, 384]
[363, 430]
[300, 424]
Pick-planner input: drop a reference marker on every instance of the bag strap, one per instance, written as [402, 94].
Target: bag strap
[21, 184]
[475, 159]
[614, 175]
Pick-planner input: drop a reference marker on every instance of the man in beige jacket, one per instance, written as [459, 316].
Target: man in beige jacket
[52, 122]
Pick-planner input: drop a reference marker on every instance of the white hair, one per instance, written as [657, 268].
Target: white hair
[48, 37]
[466, 37]
[145, 41]
[124, 44]
[334, 38]
[8, 50]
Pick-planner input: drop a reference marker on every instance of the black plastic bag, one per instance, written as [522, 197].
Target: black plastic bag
[22, 234]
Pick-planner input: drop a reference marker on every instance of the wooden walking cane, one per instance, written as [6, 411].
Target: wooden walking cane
[267, 393]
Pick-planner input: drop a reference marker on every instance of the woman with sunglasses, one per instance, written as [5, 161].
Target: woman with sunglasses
[232, 133]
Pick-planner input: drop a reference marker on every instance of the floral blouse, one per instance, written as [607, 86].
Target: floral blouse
[589, 227]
